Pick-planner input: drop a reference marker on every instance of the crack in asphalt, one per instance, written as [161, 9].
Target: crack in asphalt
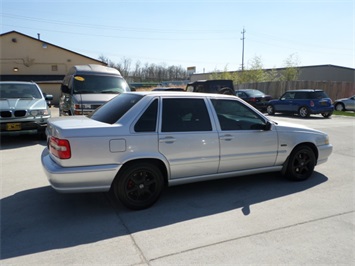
[256, 234]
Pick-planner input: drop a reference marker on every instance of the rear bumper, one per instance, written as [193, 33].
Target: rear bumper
[78, 179]
[322, 110]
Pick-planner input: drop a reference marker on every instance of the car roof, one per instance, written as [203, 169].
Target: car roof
[304, 90]
[247, 90]
[182, 94]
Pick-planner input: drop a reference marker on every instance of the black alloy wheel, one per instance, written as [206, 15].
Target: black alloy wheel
[139, 186]
[301, 163]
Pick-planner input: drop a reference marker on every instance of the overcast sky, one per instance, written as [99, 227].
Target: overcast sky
[205, 34]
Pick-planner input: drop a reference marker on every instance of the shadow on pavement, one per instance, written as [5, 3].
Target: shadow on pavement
[41, 219]
[14, 141]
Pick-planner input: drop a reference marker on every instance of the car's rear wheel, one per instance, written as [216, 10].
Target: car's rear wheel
[339, 107]
[301, 163]
[138, 186]
[303, 112]
[270, 110]
[326, 115]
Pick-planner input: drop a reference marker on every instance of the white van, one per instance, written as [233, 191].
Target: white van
[87, 87]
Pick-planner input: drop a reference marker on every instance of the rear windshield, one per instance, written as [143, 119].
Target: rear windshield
[255, 93]
[113, 110]
[99, 84]
[319, 95]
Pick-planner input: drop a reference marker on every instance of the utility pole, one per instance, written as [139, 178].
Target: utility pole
[243, 38]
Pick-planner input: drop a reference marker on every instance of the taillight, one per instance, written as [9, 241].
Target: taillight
[252, 100]
[60, 148]
[312, 104]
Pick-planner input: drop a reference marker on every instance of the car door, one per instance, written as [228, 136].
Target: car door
[285, 103]
[187, 138]
[245, 140]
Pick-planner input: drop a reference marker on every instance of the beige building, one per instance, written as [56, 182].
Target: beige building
[25, 58]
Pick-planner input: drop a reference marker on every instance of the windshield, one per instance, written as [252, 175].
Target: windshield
[99, 84]
[113, 110]
[16, 91]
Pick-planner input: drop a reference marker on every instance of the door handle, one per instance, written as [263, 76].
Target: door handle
[167, 140]
[227, 137]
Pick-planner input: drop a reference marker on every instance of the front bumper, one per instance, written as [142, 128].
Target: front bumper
[22, 126]
[78, 179]
[324, 152]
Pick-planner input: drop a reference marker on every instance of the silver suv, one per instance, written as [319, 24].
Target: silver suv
[23, 107]
[139, 142]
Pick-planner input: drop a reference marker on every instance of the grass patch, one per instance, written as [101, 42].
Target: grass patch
[344, 113]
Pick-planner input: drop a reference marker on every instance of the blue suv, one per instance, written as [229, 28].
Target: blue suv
[302, 102]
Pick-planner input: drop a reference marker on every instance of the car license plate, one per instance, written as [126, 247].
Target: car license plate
[13, 126]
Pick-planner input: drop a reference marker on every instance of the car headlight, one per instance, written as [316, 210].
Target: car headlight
[39, 112]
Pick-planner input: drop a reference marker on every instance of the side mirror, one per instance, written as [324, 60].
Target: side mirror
[65, 89]
[267, 126]
[48, 97]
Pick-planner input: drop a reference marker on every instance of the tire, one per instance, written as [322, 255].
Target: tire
[339, 107]
[326, 115]
[270, 110]
[139, 185]
[301, 163]
[227, 91]
[303, 112]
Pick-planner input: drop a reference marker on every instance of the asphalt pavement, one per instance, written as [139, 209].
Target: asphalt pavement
[258, 219]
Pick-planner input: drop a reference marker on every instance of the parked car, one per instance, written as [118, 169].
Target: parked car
[256, 98]
[345, 104]
[302, 102]
[23, 108]
[87, 87]
[221, 86]
[141, 141]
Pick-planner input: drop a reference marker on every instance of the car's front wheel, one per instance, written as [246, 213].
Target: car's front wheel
[303, 112]
[270, 110]
[301, 163]
[339, 107]
[138, 186]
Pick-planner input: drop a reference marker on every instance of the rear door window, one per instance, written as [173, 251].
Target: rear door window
[185, 115]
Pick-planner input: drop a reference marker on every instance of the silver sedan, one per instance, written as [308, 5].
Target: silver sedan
[141, 141]
[345, 104]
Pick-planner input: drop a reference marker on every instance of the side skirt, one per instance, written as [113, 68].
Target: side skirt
[193, 179]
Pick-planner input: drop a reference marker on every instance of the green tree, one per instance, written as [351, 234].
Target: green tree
[291, 71]
[254, 71]
[225, 74]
